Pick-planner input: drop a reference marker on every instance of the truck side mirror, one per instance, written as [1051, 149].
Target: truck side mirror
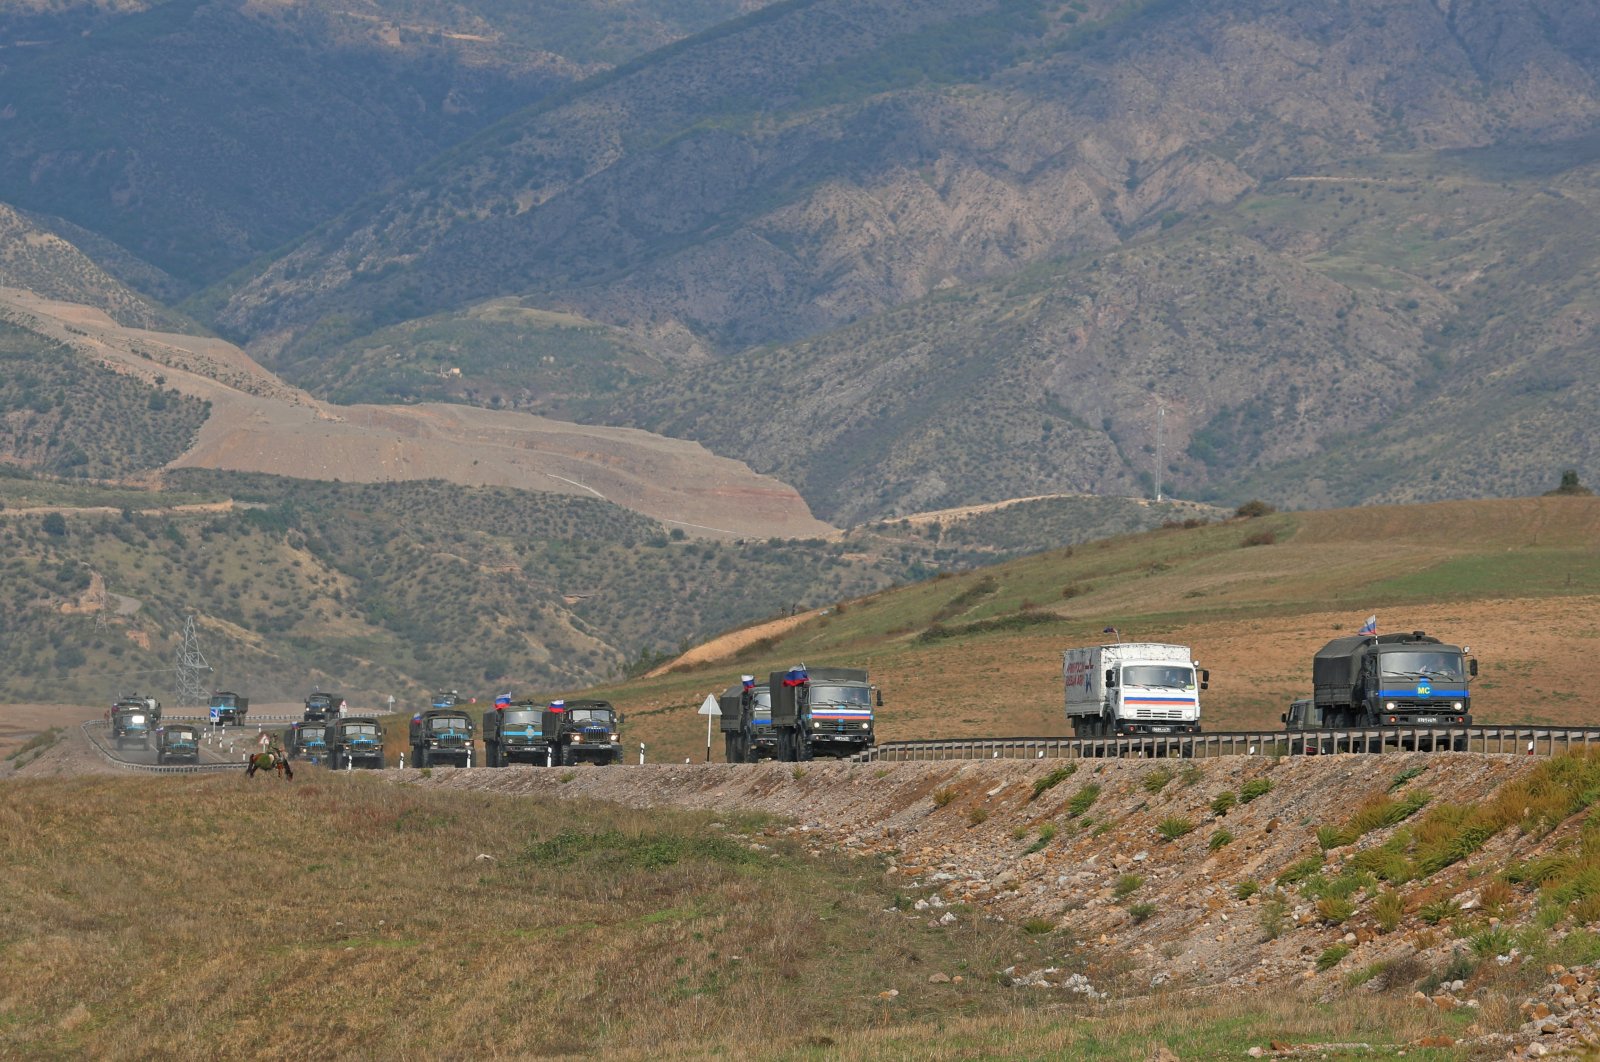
[1472, 667]
[1205, 679]
[1111, 676]
[878, 694]
[1284, 717]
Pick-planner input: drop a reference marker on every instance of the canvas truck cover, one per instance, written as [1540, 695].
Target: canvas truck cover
[1336, 668]
[728, 701]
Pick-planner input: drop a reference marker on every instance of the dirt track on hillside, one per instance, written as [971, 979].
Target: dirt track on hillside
[260, 424]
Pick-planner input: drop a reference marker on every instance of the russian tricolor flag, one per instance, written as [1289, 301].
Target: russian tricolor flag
[558, 706]
[796, 676]
[502, 700]
[749, 681]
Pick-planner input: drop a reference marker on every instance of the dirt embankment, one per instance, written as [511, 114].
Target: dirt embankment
[966, 840]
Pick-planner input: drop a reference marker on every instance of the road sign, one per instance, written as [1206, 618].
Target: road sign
[709, 708]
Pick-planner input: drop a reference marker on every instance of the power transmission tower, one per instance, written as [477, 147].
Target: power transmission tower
[190, 668]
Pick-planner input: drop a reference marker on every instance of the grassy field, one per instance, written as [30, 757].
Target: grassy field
[205, 917]
[1517, 580]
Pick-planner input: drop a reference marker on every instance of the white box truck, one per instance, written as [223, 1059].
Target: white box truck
[1132, 688]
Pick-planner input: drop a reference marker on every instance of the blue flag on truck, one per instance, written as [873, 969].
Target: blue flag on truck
[1371, 626]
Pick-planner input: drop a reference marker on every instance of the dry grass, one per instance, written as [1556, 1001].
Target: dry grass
[200, 916]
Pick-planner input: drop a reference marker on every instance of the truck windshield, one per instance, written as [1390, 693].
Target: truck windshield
[362, 730]
[228, 701]
[178, 737]
[590, 715]
[311, 734]
[1428, 664]
[519, 718]
[856, 696]
[1164, 676]
[450, 722]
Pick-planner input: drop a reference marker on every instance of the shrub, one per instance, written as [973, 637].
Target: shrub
[1191, 774]
[1271, 915]
[1438, 911]
[1219, 839]
[1223, 803]
[1405, 776]
[1335, 909]
[1332, 956]
[1038, 926]
[1127, 885]
[1299, 871]
[1083, 800]
[1254, 508]
[1051, 780]
[1331, 837]
[977, 816]
[1255, 787]
[942, 797]
[1388, 910]
[1141, 911]
[1245, 890]
[1157, 780]
[1047, 833]
[1173, 828]
[1019, 832]
[1491, 942]
[1259, 538]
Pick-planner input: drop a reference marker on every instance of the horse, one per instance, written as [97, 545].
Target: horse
[269, 761]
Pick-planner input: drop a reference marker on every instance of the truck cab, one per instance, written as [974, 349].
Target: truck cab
[228, 708]
[514, 733]
[131, 723]
[355, 743]
[1133, 688]
[306, 740]
[823, 711]
[583, 732]
[441, 735]
[178, 742]
[321, 707]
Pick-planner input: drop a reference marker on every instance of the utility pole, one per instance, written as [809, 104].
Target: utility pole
[1161, 426]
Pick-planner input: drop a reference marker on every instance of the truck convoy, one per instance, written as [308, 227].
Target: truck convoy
[441, 735]
[228, 708]
[582, 732]
[824, 711]
[1131, 688]
[513, 732]
[1387, 680]
[746, 720]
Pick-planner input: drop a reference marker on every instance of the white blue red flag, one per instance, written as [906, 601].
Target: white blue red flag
[502, 700]
[1371, 626]
[796, 676]
[558, 706]
[749, 681]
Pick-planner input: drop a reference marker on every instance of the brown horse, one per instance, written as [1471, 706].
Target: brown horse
[270, 761]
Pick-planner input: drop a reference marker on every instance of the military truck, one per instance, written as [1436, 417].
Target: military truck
[228, 708]
[354, 742]
[321, 707]
[441, 735]
[132, 723]
[583, 732]
[446, 699]
[513, 732]
[1303, 716]
[747, 731]
[178, 743]
[307, 740]
[1393, 680]
[825, 711]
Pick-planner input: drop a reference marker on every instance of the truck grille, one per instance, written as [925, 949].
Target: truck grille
[1158, 713]
[842, 726]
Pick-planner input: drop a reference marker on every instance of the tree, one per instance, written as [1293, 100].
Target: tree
[55, 524]
[1570, 485]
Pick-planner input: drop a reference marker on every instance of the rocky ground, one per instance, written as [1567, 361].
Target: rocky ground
[972, 840]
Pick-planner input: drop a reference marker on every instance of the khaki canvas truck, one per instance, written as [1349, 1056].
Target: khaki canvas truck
[178, 743]
[513, 732]
[583, 731]
[441, 735]
[355, 743]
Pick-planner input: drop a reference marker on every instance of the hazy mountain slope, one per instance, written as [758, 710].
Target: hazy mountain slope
[822, 160]
[40, 260]
[201, 133]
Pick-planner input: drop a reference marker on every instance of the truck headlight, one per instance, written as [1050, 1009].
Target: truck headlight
[1388, 706]
[1455, 706]
[577, 739]
[613, 739]
[816, 725]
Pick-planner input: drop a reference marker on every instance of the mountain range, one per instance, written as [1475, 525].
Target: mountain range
[901, 256]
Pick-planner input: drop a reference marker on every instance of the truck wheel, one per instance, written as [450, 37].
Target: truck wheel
[567, 759]
[730, 748]
[424, 757]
